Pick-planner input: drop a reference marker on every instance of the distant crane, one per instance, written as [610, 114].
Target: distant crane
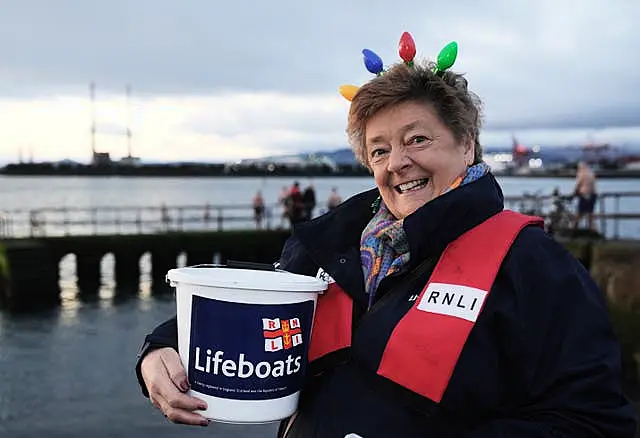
[128, 93]
[103, 157]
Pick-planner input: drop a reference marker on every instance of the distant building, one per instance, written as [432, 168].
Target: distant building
[130, 161]
[101, 159]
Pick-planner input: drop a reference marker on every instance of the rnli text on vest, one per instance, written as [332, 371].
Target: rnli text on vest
[244, 368]
[453, 300]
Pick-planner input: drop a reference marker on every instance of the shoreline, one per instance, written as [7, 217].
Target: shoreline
[189, 170]
[630, 174]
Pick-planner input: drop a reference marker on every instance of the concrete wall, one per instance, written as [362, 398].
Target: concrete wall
[31, 280]
[615, 266]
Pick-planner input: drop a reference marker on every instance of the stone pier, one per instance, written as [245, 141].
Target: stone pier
[29, 268]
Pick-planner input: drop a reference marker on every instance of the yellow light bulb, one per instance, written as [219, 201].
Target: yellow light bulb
[348, 91]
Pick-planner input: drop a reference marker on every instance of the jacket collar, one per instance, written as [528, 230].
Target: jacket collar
[433, 226]
[341, 227]
[333, 240]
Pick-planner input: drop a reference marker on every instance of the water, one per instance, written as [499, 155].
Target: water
[69, 372]
[34, 192]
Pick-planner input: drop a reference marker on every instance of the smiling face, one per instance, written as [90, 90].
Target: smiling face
[413, 155]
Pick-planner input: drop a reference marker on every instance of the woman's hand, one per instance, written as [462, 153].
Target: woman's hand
[167, 384]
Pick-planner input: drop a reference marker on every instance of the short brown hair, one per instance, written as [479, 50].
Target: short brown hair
[459, 109]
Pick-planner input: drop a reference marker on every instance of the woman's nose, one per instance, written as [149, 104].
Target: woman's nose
[398, 159]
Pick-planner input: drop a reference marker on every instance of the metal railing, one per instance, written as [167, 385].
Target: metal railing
[617, 215]
[65, 221]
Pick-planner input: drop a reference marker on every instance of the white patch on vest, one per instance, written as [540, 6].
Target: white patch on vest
[324, 276]
[453, 300]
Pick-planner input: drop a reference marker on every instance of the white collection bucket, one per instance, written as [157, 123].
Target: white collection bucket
[243, 338]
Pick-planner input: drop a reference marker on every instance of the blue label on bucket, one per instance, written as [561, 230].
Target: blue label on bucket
[248, 351]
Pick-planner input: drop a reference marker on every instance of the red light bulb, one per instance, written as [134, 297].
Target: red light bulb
[407, 47]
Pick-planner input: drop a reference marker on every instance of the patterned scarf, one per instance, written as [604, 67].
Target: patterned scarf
[384, 247]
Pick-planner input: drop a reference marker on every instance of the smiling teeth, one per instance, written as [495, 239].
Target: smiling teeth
[411, 185]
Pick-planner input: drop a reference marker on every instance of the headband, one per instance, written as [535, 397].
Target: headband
[407, 50]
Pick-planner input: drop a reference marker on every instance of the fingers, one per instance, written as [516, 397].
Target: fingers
[165, 377]
[179, 409]
[176, 371]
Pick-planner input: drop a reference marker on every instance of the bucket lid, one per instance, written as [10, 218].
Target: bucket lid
[247, 279]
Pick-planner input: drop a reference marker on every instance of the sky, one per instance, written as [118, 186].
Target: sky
[221, 81]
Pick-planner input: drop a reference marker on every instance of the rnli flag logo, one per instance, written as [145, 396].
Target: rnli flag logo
[281, 334]
[324, 276]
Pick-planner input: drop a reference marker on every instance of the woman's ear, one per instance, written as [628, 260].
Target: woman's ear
[469, 151]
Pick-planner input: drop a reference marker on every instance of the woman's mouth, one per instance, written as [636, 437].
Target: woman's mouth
[411, 186]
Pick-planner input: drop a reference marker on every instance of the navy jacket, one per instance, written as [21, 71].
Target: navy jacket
[541, 361]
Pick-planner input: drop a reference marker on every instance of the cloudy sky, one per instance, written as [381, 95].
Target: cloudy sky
[219, 81]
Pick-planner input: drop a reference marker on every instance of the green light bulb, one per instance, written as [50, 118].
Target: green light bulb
[447, 56]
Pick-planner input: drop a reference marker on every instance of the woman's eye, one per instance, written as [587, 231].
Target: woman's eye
[418, 139]
[377, 153]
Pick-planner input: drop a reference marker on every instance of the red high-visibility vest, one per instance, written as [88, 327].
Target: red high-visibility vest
[425, 345]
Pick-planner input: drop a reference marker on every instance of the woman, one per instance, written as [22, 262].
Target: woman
[512, 340]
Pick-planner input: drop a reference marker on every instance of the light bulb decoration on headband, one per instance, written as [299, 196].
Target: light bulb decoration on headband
[407, 50]
[447, 57]
[348, 91]
[372, 62]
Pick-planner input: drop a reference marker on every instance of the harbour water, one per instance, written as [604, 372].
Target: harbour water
[69, 372]
[38, 192]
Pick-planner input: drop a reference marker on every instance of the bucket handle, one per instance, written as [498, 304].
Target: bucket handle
[235, 264]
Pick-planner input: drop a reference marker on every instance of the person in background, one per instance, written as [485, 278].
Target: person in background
[295, 207]
[585, 190]
[445, 315]
[282, 201]
[334, 199]
[309, 202]
[258, 209]
[165, 217]
[558, 220]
